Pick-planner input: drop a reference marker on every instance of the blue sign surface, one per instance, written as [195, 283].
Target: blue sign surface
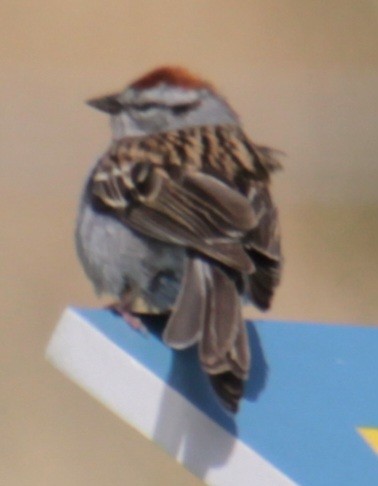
[311, 388]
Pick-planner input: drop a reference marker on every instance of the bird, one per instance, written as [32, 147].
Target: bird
[177, 217]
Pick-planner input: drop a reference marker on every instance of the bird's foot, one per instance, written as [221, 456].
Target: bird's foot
[133, 321]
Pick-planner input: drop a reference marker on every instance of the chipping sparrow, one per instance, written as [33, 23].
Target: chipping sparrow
[177, 214]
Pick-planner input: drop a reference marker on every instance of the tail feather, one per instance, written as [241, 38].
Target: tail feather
[208, 311]
[224, 348]
[185, 325]
[229, 389]
[222, 320]
[239, 356]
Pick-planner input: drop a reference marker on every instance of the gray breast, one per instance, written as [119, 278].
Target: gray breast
[114, 257]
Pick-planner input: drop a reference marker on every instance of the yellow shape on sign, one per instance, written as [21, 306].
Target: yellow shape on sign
[370, 435]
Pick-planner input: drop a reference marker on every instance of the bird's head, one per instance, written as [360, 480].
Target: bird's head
[164, 99]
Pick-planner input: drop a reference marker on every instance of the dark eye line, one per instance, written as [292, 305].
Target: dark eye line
[145, 106]
[184, 108]
[177, 109]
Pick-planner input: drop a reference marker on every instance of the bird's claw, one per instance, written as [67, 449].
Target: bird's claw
[133, 321]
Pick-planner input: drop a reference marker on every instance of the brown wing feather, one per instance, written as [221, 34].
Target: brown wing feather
[205, 188]
[263, 245]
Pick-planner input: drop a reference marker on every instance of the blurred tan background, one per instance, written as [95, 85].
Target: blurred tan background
[304, 77]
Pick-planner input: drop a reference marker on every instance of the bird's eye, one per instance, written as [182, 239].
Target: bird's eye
[184, 108]
[145, 106]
